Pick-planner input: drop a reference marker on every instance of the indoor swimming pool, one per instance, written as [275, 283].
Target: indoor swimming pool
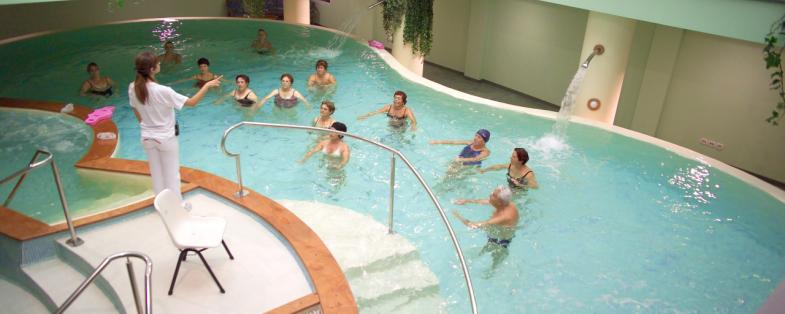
[617, 225]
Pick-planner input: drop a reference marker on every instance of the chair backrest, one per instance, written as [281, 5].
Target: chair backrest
[168, 206]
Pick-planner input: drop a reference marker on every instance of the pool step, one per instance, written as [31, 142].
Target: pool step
[15, 299]
[384, 270]
[58, 279]
[421, 302]
[403, 279]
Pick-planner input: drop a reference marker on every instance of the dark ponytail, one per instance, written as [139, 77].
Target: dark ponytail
[145, 62]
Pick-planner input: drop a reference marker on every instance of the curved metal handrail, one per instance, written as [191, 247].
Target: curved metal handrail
[22, 174]
[395, 152]
[148, 272]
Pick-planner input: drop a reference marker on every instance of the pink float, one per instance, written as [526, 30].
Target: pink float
[375, 44]
[99, 115]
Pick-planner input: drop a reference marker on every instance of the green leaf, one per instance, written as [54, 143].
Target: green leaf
[772, 60]
[775, 114]
[780, 105]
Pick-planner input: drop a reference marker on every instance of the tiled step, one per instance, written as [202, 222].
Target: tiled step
[384, 270]
[415, 304]
[59, 280]
[409, 277]
[14, 299]
[355, 240]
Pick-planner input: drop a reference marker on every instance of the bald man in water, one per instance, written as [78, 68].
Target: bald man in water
[500, 226]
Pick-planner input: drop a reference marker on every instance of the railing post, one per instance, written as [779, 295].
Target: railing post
[242, 192]
[19, 182]
[74, 240]
[392, 196]
[134, 290]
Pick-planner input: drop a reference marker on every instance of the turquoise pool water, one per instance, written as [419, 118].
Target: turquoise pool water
[67, 138]
[618, 225]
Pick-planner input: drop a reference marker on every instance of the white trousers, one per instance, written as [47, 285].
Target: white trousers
[163, 157]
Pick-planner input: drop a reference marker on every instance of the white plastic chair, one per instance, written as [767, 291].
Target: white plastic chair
[190, 233]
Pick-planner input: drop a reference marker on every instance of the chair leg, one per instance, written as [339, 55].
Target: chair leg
[180, 259]
[227, 250]
[221, 288]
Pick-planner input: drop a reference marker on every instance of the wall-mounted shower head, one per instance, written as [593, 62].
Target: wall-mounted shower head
[598, 50]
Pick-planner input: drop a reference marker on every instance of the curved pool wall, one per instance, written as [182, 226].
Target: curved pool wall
[619, 225]
[68, 138]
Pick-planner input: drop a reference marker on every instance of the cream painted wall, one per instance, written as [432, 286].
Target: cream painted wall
[533, 47]
[719, 90]
[450, 28]
[636, 67]
[350, 16]
[36, 17]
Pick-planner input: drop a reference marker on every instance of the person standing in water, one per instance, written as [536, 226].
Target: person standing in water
[169, 56]
[96, 85]
[500, 227]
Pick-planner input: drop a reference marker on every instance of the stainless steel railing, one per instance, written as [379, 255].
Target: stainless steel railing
[33, 164]
[148, 272]
[242, 192]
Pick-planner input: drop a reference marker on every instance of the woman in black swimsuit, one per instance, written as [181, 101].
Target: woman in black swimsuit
[398, 112]
[96, 85]
[242, 94]
[519, 175]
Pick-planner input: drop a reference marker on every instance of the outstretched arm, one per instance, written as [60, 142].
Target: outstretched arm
[494, 168]
[261, 103]
[311, 152]
[375, 112]
[450, 142]
[202, 91]
[484, 154]
[463, 201]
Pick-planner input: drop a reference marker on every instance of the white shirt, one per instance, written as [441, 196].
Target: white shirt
[158, 113]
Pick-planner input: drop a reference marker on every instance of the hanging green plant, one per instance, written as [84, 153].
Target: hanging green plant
[418, 28]
[254, 8]
[392, 15]
[772, 55]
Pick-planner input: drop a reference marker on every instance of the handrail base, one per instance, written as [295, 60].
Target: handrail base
[73, 243]
[241, 193]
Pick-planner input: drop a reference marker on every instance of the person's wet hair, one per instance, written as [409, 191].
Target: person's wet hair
[92, 64]
[244, 77]
[321, 62]
[330, 105]
[338, 126]
[203, 61]
[522, 154]
[291, 78]
[403, 95]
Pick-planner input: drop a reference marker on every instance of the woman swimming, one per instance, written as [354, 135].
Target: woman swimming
[96, 85]
[519, 175]
[474, 152]
[333, 148]
[398, 112]
[285, 96]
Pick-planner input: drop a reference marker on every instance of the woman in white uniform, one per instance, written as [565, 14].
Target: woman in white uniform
[154, 106]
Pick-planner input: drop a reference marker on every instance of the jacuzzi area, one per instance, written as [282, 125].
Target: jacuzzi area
[621, 222]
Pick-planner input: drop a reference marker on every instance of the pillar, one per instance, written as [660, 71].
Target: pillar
[297, 11]
[404, 53]
[606, 72]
